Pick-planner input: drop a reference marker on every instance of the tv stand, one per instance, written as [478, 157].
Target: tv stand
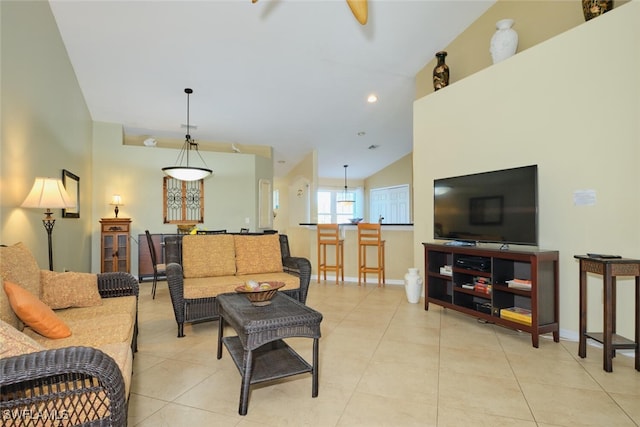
[515, 289]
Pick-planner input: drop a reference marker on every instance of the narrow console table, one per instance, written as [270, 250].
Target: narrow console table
[258, 350]
[609, 269]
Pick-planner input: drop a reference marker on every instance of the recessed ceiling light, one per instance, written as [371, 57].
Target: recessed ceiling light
[372, 98]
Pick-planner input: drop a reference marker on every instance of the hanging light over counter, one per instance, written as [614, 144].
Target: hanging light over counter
[187, 172]
[346, 201]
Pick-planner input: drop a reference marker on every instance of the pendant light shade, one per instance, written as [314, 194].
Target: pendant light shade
[346, 201]
[187, 172]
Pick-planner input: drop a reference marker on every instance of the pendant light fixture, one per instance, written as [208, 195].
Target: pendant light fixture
[346, 203]
[187, 172]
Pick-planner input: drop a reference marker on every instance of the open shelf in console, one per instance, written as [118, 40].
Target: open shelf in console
[481, 284]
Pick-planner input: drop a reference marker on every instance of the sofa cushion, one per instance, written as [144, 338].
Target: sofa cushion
[207, 287]
[6, 312]
[14, 343]
[35, 313]
[208, 255]
[120, 305]
[91, 332]
[18, 265]
[258, 254]
[69, 289]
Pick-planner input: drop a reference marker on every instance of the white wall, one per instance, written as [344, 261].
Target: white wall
[571, 106]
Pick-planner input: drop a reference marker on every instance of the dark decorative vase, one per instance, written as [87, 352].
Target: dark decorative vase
[440, 72]
[593, 8]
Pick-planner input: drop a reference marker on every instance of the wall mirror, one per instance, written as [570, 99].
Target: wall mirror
[71, 183]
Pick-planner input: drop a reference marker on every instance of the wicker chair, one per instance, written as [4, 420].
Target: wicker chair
[205, 309]
[70, 385]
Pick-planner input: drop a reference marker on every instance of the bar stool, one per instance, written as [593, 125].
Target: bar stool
[329, 235]
[370, 235]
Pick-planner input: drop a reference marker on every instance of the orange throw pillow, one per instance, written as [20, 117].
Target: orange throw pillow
[35, 313]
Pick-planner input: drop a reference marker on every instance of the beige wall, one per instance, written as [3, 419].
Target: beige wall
[570, 105]
[297, 203]
[535, 22]
[134, 172]
[399, 172]
[46, 127]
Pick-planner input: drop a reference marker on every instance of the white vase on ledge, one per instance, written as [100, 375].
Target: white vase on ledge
[504, 41]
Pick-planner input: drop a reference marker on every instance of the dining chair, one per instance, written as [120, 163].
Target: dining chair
[157, 268]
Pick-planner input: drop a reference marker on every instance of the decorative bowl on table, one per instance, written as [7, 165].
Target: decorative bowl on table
[355, 220]
[259, 294]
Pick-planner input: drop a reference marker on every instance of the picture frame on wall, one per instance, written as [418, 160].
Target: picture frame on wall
[71, 183]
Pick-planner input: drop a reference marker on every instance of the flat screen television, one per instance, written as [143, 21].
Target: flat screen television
[498, 206]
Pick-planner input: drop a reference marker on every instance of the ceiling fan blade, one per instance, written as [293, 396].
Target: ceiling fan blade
[359, 9]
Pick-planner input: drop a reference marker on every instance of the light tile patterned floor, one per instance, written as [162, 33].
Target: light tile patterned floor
[383, 362]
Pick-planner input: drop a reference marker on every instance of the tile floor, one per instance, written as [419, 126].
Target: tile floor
[383, 362]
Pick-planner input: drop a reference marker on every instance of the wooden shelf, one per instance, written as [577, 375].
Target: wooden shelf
[540, 267]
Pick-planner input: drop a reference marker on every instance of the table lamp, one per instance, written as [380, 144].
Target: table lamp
[116, 200]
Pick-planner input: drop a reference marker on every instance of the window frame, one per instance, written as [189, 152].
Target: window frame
[166, 197]
[335, 192]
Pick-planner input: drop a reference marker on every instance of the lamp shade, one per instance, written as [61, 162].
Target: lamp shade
[48, 193]
[187, 173]
[116, 199]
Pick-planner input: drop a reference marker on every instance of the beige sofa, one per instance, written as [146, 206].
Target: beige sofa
[66, 342]
[200, 267]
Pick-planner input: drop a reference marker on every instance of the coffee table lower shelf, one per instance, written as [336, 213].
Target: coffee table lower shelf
[272, 361]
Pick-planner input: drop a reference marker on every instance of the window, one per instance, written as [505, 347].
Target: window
[331, 210]
[183, 201]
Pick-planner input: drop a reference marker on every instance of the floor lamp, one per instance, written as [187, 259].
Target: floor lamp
[48, 193]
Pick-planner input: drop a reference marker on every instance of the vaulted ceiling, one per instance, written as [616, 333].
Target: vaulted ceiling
[291, 74]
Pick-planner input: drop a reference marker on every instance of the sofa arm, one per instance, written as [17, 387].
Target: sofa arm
[175, 281]
[70, 386]
[117, 284]
[300, 267]
[121, 284]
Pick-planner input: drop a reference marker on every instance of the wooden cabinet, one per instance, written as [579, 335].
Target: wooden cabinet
[114, 245]
[480, 282]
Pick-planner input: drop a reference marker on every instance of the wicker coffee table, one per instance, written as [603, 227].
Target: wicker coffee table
[258, 350]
